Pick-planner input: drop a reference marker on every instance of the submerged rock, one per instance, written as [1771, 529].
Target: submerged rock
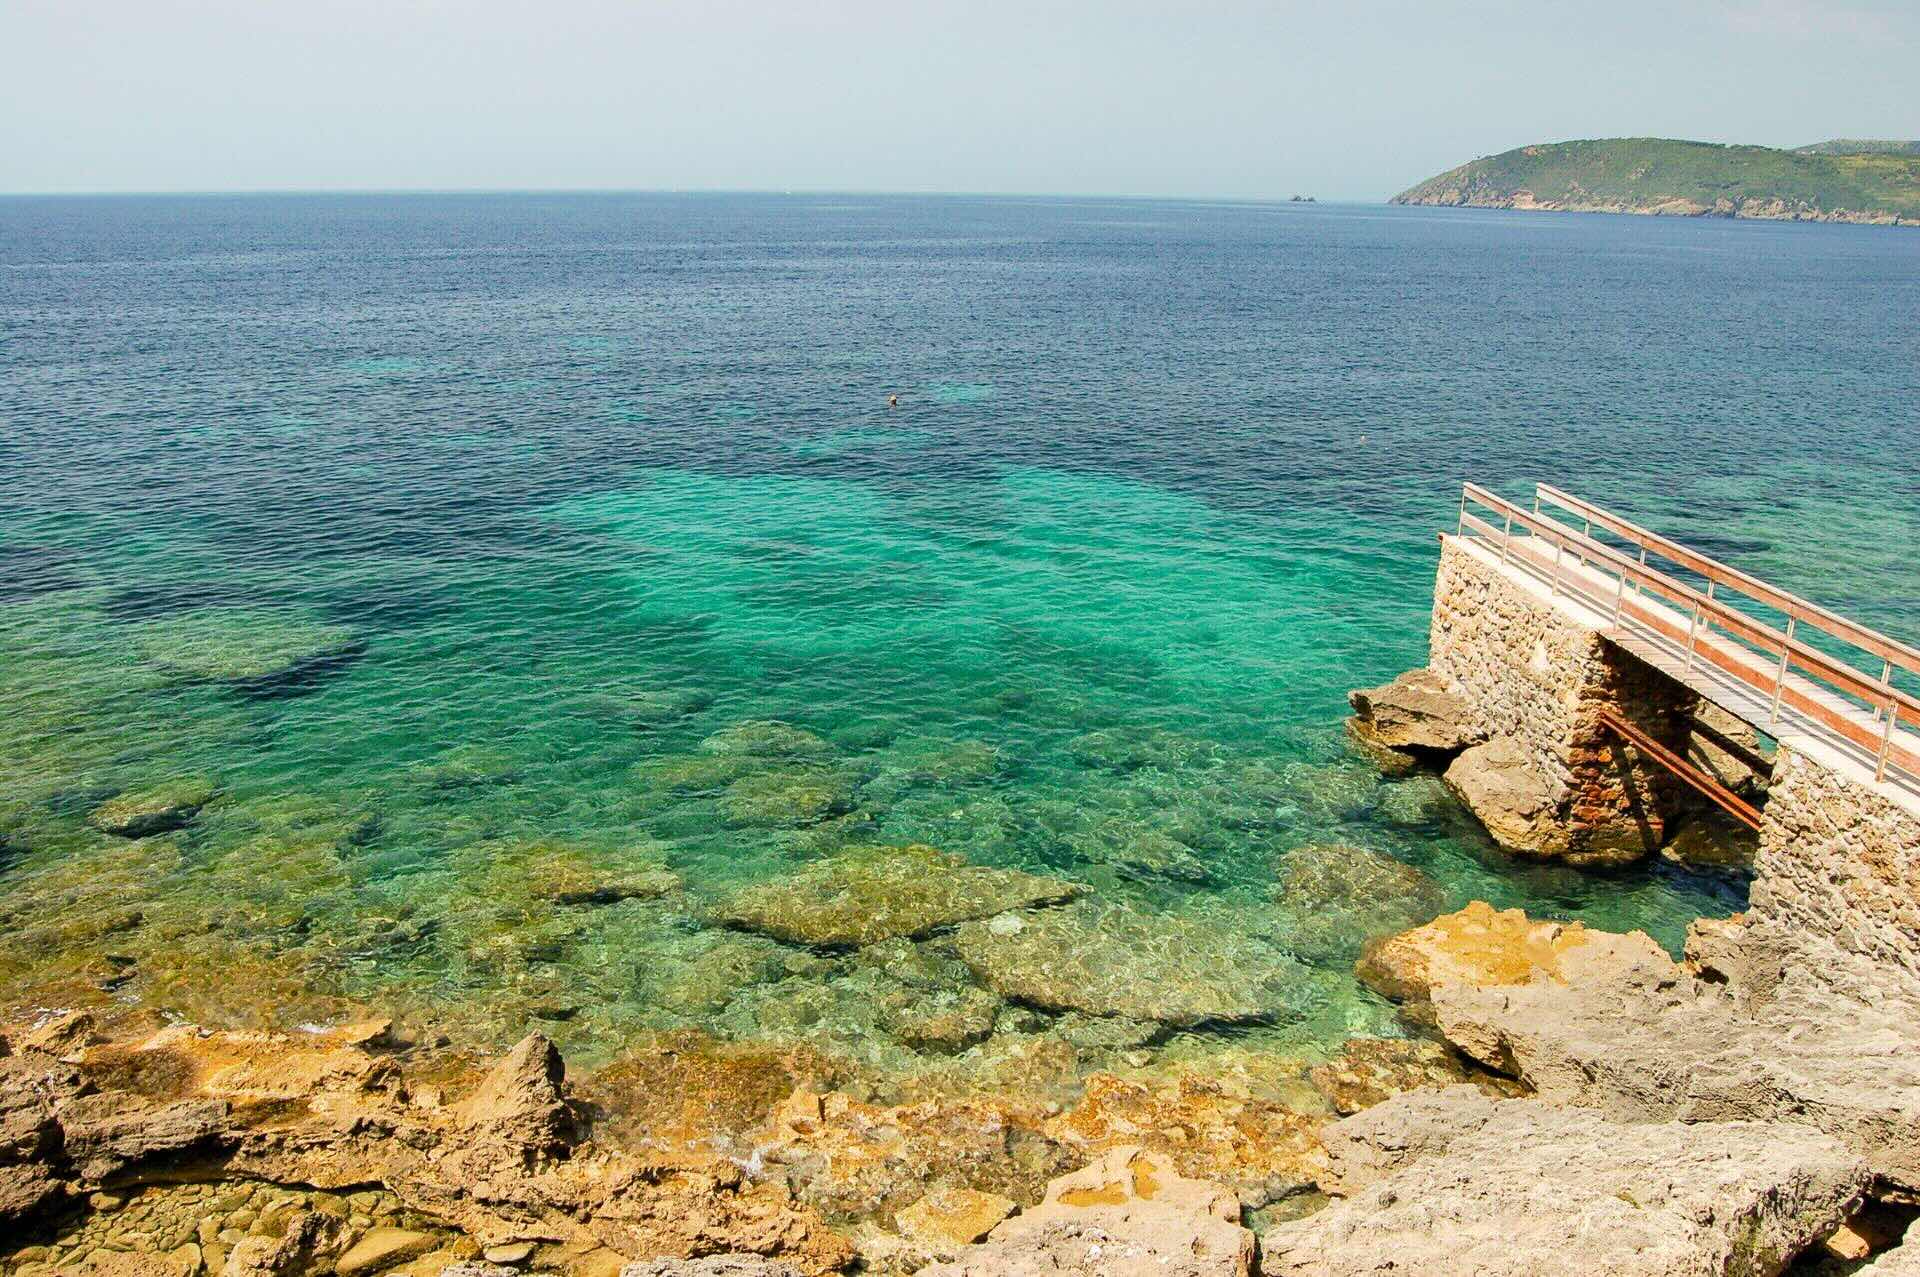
[1119, 961]
[787, 797]
[1418, 802]
[1141, 852]
[691, 773]
[765, 738]
[1124, 749]
[243, 645]
[1130, 1214]
[1450, 1182]
[880, 893]
[1416, 711]
[1336, 897]
[142, 813]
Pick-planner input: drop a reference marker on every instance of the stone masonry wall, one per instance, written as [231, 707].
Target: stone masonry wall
[1839, 861]
[1536, 675]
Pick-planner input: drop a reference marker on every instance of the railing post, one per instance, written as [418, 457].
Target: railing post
[1886, 737]
[1886, 684]
[1506, 538]
[1619, 597]
[1693, 631]
[1780, 675]
[1555, 591]
[1461, 529]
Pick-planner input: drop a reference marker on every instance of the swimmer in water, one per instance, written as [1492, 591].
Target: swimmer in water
[893, 401]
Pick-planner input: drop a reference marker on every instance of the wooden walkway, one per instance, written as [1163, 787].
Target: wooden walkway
[1767, 676]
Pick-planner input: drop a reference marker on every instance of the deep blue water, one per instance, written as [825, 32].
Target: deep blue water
[431, 529]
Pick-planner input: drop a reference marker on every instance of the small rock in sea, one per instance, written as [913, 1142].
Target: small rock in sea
[142, 813]
[1416, 711]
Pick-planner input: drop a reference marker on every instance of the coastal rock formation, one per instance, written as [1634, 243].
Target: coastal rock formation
[157, 810]
[1417, 711]
[1130, 1214]
[949, 1218]
[710, 1266]
[1499, 784]
[1370, 1070]
[1709, 840]
[872, 894]
[1112, 959]
[1450, 1182]
[1631, 1032]
[502, 1167]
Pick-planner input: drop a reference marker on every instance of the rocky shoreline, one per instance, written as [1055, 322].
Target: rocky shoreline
[1725, 1114]
[1567, 1100]
[1769, 210]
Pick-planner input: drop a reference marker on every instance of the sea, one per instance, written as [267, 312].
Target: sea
[518, 583]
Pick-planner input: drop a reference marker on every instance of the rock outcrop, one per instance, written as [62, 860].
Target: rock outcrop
[1130, 1214]
[1480, 947]
[1451, 1182]
[1417, 712]
[1635, 1034]
[503, 1169]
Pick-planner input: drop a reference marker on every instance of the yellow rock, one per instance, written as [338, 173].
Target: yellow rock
[948, 1218]
[383, 1248]
[1479, 947]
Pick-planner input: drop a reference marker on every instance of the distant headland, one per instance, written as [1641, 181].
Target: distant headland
[1846, 180]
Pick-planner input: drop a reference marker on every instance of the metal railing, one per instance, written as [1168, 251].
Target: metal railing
[1799, 673]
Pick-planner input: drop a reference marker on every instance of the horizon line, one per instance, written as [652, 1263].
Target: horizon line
[111, 193]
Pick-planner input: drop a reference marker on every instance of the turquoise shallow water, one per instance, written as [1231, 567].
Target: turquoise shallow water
[453, 540]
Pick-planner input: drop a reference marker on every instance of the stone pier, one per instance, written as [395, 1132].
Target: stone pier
[1527, 671]
[1536, 671]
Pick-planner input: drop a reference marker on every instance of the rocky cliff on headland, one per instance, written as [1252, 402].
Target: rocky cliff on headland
[1867, 183]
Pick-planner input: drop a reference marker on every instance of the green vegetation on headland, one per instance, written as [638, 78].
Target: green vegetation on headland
[1840, 181]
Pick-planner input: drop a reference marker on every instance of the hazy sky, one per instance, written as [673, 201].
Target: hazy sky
[1183, 97]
